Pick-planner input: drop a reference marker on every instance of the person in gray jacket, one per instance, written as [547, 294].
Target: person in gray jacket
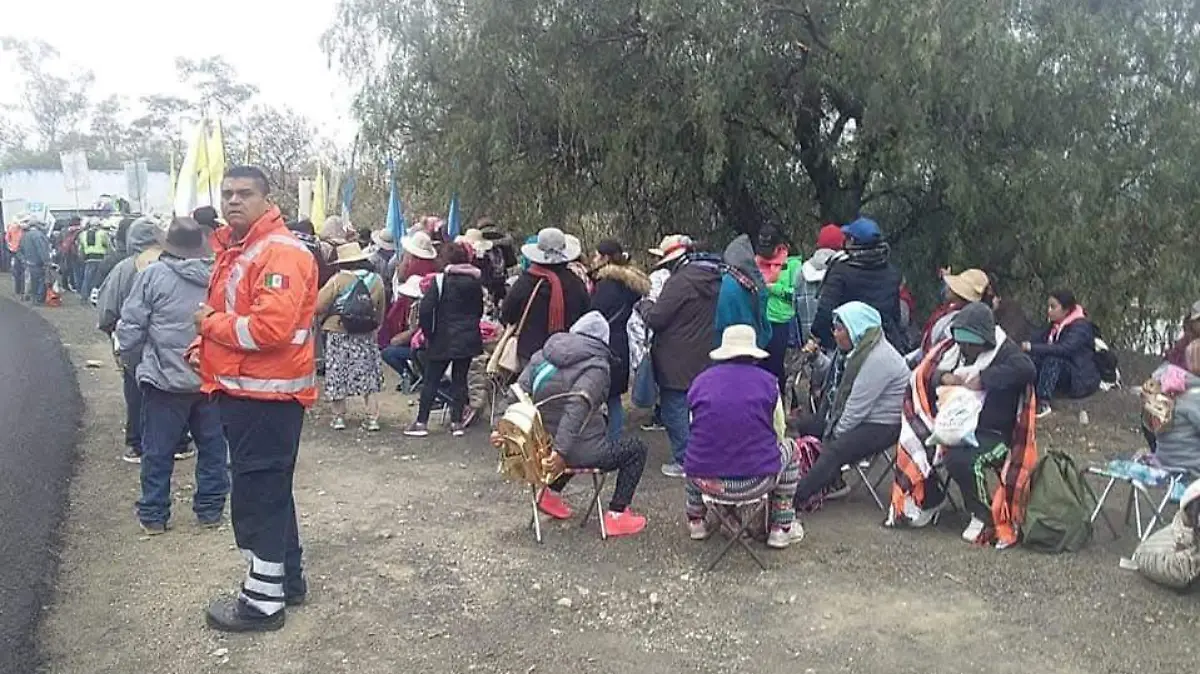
[574, 368]
[860, 414]
[35, 252]
[157, 327]
[1177, 444]
[142, 247]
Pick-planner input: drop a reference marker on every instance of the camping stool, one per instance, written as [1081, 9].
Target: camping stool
[734, 524]
[599, 477]
[864, 469]
[1172, 482]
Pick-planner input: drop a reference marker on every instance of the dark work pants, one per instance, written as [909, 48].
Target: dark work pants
[18, 275]
[861, 442]
[37, 284]
[968, 467]
[434, 370]
[627, 456]
[264, 439]
[777, 353]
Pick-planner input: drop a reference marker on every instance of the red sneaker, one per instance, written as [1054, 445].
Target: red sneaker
[627, 523]
[553, 505]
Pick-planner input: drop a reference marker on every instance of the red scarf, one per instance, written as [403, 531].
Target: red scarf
[558, 310]
[1077, 314]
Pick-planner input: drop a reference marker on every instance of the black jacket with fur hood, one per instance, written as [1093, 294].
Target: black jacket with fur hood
[617, 289]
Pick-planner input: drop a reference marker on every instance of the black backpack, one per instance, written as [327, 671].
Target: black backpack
[356, 307]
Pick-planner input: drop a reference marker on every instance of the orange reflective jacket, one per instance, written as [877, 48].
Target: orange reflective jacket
[258, 344]
[12, 237]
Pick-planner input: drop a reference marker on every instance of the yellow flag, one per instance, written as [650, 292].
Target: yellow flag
[318, 201]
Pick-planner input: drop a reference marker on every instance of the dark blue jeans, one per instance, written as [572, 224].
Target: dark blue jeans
[165, 417]
[264, 440]
[133, 409]
[677, 417]
[18, 274]
[397, 358]
[91, 278]
[37, 284]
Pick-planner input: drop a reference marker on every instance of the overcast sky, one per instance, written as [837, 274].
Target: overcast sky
[131, 46]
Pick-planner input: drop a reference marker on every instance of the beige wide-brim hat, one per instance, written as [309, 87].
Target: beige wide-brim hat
[474, 238]
[419, 244]
[350, 252]
[672, 248]
[383, 238]
[738, 341]
[969, 285]
[411, 287]
[553, 247]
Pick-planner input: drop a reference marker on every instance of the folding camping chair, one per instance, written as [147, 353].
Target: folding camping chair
[1144, 482]
[736, 515]
[599, 477]
[864, 469]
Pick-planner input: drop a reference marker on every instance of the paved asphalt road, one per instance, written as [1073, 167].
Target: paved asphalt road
[40, 411]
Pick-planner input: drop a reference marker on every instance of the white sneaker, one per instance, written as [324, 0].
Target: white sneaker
[338, 424]
[698, 530]
[780, 538]
[974, 530]
[927, 516]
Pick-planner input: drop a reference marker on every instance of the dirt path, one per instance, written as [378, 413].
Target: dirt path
[419, 561]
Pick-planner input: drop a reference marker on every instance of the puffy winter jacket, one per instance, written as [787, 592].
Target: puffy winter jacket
[141, 236]
[1076, 345]
[683, 322]
[157, 323]
[258, 343]
[580, 365]
[450, 316]
[865, 275]
[618, 289]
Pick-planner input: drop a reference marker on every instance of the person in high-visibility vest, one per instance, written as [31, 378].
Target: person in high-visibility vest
[93, 246]
[12, 241]
[255, 356]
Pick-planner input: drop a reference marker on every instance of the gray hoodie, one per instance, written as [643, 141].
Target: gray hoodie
[157, 323]
[573, 362]
[1178, 443]
[142, 234]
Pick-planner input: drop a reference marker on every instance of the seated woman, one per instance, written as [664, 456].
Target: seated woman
[577, 362]
[859, 415]
[1176, 443]
[979, 357]
[1065, 354]
[737, 444]
[399, 327]
[1191, 332]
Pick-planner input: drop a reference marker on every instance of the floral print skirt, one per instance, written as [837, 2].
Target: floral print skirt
[353, 366]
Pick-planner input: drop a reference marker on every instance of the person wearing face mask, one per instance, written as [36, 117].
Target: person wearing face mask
[859, 415]
[978, 356]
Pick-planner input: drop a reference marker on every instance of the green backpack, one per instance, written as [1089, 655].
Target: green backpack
[1058, 518]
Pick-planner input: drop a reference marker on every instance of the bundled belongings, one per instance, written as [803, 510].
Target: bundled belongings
[1171, 557]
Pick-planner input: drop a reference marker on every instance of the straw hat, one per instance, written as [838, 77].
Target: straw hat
[474, 238]
[419, 245]
[969, 285]
[738, 341]
[552, 247]
[384, 239]
[350, 252]
[184, 239]
[411, 287]
[672, 248]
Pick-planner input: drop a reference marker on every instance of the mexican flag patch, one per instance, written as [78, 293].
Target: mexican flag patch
[275, 281]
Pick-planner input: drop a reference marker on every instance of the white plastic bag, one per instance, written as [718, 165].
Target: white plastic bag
[957, 417]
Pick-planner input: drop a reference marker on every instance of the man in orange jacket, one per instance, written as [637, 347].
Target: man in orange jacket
[256, 357]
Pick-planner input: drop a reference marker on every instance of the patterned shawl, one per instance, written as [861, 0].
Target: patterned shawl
[914, 464]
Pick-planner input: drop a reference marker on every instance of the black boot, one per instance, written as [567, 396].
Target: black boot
[234, 615]
[295, 591]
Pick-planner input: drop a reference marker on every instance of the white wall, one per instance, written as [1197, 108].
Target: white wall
[48, 187]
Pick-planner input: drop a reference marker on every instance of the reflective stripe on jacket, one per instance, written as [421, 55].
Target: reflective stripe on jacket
[258, 343]
[93, 243]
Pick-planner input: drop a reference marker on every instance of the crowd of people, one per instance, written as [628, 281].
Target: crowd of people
[770, 370]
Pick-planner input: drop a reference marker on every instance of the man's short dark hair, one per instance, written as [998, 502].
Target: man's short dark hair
[252, 172]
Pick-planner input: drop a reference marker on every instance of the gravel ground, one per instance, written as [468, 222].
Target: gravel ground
[419, 558]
